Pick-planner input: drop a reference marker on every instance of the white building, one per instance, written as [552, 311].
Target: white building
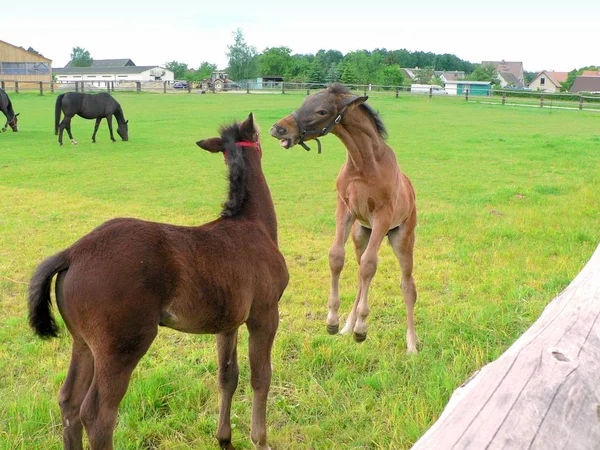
[98, 76]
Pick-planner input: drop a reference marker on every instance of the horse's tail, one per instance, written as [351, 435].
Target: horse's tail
[40, 314]
[57, 109]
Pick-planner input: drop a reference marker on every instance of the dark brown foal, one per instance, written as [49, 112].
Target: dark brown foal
[374, 198]
[117, 284]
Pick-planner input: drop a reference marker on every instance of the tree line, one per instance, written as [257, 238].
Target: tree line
[379, 67]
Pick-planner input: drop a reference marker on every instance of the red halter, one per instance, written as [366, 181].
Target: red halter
[245, 144]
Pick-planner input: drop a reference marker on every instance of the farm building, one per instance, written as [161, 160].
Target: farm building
[548, 81]
[17, 64]
[450, 75]
[112, 70]
[459, 87]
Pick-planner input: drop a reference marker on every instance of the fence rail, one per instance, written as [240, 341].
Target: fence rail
[496, 97]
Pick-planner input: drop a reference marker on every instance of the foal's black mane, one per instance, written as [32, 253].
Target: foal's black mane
[337, 88]
[237, 170]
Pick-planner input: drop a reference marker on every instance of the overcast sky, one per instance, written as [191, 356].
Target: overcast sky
[548, 34]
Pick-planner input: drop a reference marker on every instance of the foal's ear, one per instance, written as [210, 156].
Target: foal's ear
[126, 122]
[213, 145]
[17, 114]
[249, 127]
[352, 100]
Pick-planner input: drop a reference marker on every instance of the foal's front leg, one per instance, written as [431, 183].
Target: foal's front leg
[337, 254]
[228, 381]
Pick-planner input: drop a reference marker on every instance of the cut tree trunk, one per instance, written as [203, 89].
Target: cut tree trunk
[543, 392]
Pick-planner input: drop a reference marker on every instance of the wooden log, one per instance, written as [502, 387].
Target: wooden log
[543, 393]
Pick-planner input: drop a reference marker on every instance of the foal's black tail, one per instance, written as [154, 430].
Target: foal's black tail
[40, 315]
[57, 109]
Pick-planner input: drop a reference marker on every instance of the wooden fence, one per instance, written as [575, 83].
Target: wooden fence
[497, 97]
[543, 393]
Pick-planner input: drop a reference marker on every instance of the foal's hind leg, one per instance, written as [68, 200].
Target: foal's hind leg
[262, 328]
[109, 120]
[343, 224]
[73, 391]
[98, 120]
[115, 357]
[360, 237]
[402, 240]
[228, 380]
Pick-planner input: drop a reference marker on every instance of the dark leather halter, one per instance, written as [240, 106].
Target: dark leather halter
[321, 132]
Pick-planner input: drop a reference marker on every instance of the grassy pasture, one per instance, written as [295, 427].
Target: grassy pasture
[508, 204]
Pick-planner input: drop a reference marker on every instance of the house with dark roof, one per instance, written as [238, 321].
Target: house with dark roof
[589, 85]
[510, 73]
[547, 81]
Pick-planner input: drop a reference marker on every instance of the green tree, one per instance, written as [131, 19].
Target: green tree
[333, 74]
[275, 61]
[391, 76]
[485, 72]
[179, 69]
[348, 71]
[243, 62]
[316, 75]
[425, 75]
[205, 70]
[80, 57]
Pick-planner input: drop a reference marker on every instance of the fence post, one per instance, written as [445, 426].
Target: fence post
[580, 102]
[282, 87]
[542, 101]
[504, 98]
[397, 91]
[467, 94]
[77, 86]
[16, 87]
[108, 86]
[189, 87]
[247, 87]
[164, 87]
[308, 92]
[52, 87]
[82, 86]
[430, 92]
[41, 88]
[2, 85]
[138, 86]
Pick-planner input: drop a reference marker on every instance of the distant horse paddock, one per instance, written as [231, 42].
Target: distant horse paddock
[117, 284]
[89, 106]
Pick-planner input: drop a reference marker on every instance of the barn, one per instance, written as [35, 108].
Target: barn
[17, 64]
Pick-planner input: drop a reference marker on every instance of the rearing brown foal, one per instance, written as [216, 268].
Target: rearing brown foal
[373, 194]
[117, 284]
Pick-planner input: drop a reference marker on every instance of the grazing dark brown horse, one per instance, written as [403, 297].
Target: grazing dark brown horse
[7, 108]
[117, 284]
[373, 194]
[89, 106]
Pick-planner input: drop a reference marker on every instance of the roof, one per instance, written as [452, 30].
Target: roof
[107, 63]
[591, 73]
[481, 83]
[514, 67]
[94, 70]
[586, 84]
[510, 78]
[23, 50]
[555, 77]
[450, 74]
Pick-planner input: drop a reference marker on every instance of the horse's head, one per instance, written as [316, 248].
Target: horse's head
[13, 123]
[123, 130]
[317, 116]
[245, 134]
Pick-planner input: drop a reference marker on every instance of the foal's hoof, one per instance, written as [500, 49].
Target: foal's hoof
[226, 445]
[333, 329]
[3, 130]
[358, 337]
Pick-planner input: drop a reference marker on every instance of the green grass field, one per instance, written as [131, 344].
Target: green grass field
[508, 203]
